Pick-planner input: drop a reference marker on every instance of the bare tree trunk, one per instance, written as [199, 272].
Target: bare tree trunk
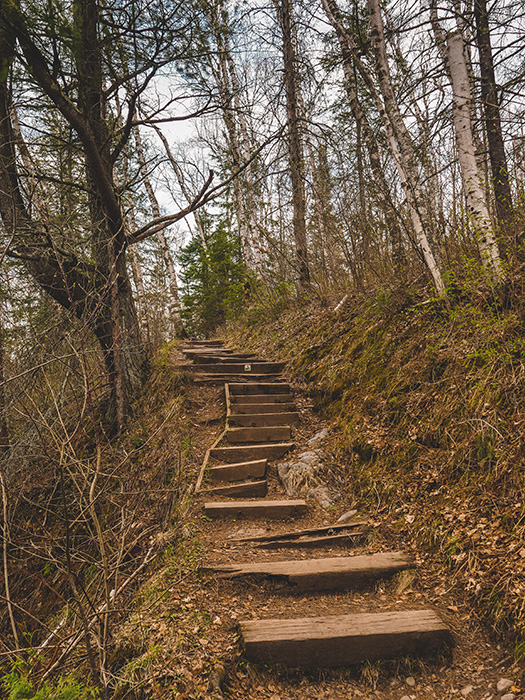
[295, 150]
[476, 204]
[4, 431]
[381, 186]
[401, 145]
[489, 94]
[174, 303]
[222, 73]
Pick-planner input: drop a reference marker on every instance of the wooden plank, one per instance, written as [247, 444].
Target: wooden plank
[243, 399]
[242, 367]
[343, 640]
[262, 419]
[246, 453]
[246, 489]
[249, 388]
[272, 433]
[322, 574]
[259, 408]
[344, 539]
[255, 509]
[207, 342]
[209, 358]
[204, 378]
[237, 472]
[301, 533]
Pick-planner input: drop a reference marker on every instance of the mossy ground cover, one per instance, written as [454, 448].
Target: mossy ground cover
[427, 403]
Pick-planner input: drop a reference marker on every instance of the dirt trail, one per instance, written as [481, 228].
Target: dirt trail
[472, 668]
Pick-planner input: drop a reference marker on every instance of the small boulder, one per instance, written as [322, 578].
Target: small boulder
[504, 684]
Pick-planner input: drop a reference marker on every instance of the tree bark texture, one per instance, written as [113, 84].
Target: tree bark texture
[489, 95]
[476, 205]
[295, 149]
[174, 301]
[402, 146]
[381, 187]
[101, 289]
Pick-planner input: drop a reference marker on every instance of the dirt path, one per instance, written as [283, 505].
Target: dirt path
[473, 668]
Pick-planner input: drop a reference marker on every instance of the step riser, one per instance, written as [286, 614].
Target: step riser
[261, 420]
[267, 408]
[261, 388]
[331, 642]
[265, 434]
[333, 573]
[237, 472]
[238, 400]
[255, 489]
[217, 359]
[247, 368]
[256, 509]
[250, 453]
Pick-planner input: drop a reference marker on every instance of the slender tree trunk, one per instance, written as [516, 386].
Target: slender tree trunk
[401, 145]
[381, 186]
[174, 303]
[476, 204]
[4, 431]
[295, 150]
[489, 95]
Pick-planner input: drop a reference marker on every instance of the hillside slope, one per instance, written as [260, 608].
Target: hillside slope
[427, 405]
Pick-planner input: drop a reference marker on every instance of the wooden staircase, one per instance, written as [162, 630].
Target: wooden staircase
[260, 415]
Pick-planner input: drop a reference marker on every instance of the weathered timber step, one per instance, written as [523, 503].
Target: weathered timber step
[245, 453]
[343, 640]
[208, 358]
[257, 420]
[249, 388]
[204, 343]
[344, 539]
[208, 378]
[204, 352]
[275, 433]
[255, 509]
[241, 367]
[243, 489]
[236, 472]
[243, 399]
[322, 574]
[259, 408]
[295, 534]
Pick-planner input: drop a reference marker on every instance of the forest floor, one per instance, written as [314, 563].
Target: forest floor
[188, 622]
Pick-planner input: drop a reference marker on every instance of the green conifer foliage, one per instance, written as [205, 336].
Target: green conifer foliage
[216, 283]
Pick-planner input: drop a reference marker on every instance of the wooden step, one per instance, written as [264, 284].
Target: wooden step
[239, 471]
[241, 367]
[323, 574]
[217, 378]
[344, 539]
[255, 509]
[343, 640]
[291, 534]
[243, 399]
[275, 433]
[338, 535]
[249, 388]
[259, 408]
[244, 489]
[246, 453]
[209, 358]
[253, 420]
[204, 343]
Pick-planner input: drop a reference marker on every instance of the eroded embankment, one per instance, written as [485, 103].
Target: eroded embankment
[428, 403]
